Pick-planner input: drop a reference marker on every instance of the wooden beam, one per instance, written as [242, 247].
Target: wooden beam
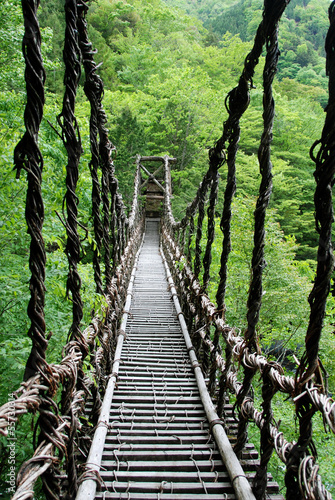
[157, 158]
[152, 178]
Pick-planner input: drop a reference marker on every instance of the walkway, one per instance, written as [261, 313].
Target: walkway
[158, 444]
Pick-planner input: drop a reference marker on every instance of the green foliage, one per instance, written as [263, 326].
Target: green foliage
[11, 33]
[302, 30]
[287, 282]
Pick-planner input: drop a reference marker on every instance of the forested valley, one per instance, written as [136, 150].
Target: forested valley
[167, 67]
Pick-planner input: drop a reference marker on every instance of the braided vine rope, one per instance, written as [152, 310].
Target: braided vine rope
[271, 17]
[93, 88]
[72, 143]
[200, 305]
[27, 156]
[61, 430]
[323, 154]
[75, 386]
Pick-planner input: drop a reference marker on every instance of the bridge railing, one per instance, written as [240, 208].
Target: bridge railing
[58, 393]
[215, 342]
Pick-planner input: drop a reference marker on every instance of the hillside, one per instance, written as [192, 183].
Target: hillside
[302, 31]
[168, 76]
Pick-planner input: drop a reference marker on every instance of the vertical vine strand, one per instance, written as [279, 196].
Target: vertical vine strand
[271, 16]
[223, 391]
[266, 443]
[93, 88]
[324, 216]
[72, 142]
[212, 384]
[201, 216]
[113, 225]
[27, 156]
[207, 260]
[109, 187]
[189, 240]
[323, 154]
[236, 103]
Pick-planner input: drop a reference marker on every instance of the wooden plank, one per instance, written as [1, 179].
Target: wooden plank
[197, 488]
[164, 465]
[157, 444]
[163, 455]
[167, 496]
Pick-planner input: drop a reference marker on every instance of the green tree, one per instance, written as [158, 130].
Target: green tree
[11, 33]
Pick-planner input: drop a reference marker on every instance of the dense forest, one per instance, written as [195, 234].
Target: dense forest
[167, 67]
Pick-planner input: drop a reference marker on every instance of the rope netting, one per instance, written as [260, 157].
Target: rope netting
[58, 393]
[182, 243]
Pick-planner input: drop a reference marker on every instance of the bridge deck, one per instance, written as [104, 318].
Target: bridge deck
[158, 443]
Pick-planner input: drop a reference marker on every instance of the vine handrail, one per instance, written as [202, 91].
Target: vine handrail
[60, 430]
[191, 274]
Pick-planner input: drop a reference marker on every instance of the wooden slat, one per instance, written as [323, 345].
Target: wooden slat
[158, 445]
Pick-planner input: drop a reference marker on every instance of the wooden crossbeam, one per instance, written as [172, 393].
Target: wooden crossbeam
[151, 177]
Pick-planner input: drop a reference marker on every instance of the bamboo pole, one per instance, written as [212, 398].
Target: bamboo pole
[237, 476]
[88, 486]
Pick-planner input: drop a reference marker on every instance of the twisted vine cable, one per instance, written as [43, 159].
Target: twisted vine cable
[28, 157]
[94, 89]
[237, 103]
[267, 443]
[213, 365]
[72, 143]
[189, 239]
[109, 189]
[210, 229]
[324, 217]
[113, 225]
[120, 236]
[201, 216]
[223, 385]
[271, 16]
[94, 86]
[323, 154]
[183, 239]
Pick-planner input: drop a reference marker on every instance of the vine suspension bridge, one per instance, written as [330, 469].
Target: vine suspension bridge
[153, 419]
